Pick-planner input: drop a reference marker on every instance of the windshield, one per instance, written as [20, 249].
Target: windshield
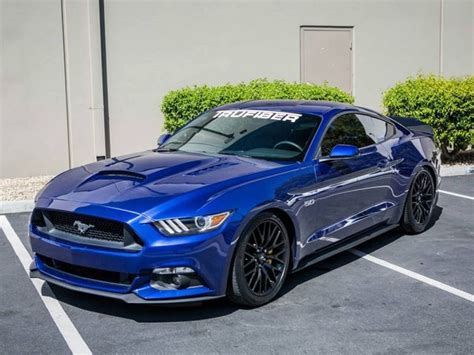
[252, 133]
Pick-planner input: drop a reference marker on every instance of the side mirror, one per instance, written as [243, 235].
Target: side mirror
[343, 151]
[163, 138]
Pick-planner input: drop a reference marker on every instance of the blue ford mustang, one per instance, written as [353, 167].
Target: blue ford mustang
[234, 201]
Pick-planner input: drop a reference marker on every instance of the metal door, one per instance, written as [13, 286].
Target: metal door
[326, 56]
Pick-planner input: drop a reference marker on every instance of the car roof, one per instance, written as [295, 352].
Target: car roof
[296, 106]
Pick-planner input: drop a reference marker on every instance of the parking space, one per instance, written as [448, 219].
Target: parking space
[345, 304]
[23, 317]
[459, 184]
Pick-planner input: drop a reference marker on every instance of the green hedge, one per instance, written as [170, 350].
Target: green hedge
[445, 104]
[182, 105]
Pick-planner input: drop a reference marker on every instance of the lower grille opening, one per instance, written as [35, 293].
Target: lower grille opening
[88, 273]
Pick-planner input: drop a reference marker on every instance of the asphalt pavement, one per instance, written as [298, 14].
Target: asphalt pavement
[405, 297]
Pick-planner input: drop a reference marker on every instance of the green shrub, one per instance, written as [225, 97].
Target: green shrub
[182, 105]
[447, 105]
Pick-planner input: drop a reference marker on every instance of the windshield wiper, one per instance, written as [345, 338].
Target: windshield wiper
[229, 136]
[235, 154]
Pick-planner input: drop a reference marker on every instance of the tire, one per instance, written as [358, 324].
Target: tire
[261, 261]
[419, 204]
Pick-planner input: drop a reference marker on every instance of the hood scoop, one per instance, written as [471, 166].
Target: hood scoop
[119, 174]
[120, 179]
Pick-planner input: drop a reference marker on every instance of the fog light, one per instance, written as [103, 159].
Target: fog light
[180, 281]
[174, 278]
[173, 270]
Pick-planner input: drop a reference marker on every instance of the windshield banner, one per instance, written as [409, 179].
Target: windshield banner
[266, 115]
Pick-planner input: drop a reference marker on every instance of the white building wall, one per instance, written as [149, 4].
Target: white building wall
[154, 47]
[33, 137]
[458, 37]
[51, 95]
[84, 83]
[157, 46]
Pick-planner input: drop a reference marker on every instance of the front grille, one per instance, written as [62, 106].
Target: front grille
[87, 272]
[85, 228]
[95, 228]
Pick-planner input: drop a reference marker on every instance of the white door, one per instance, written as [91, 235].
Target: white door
[326, 56]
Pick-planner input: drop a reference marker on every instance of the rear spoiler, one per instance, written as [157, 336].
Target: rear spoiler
[414, 125]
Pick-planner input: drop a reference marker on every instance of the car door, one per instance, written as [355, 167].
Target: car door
[351, 193]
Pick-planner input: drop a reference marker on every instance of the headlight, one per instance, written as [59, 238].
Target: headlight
[183, 226]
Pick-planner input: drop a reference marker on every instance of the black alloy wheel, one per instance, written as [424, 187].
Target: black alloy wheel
[422, 197]
[261, 261]
[264, 257]
[420, 203]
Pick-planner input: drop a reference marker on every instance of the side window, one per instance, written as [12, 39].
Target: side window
[346, 129]
[355, 129]
[378, 130]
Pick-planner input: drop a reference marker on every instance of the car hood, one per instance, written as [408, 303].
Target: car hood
[150, 180]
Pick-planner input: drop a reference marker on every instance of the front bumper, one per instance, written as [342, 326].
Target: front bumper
[127, 297]
[208, 255]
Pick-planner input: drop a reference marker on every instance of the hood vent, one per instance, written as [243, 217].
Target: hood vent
[211, 168]
[121, 174]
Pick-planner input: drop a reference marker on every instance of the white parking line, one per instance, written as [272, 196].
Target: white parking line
[414, 275]
[63, 322]
[455, 194]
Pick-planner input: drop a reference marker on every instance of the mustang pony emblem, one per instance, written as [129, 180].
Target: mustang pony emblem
[82, 227]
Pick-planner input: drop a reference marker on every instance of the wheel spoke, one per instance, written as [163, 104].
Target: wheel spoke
[264, 280]
[264, 232]
[420, 214]
[267, 276]
[272, 271]
[252, 243]
[259, 280]
[252, 278]
[273, 236]
[251, 256]
[277, 240]
[259, 235]
[275, 258]
[279, 253]
[417, 213]
[423, 208]
[424, 213]
[251, 261]
[275, 268]
[253, 270]
[256, 280]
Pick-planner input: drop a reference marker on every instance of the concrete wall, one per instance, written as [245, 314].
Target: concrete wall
[51, 93]
[33, 128]
[84, 82]
[157, 46]
[457, 57]
[154, 47]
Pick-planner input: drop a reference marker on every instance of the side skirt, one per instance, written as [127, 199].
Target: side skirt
[344, 244]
